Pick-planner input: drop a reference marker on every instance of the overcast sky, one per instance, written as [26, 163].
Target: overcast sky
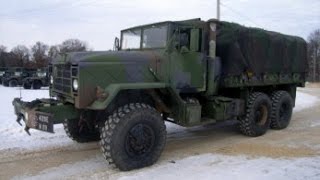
[99, 21]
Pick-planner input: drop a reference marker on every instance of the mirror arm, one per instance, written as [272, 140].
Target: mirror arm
[116, 45]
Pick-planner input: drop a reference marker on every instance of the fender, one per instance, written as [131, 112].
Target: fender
[113, 89]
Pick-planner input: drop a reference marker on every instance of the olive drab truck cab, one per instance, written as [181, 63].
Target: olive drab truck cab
[40, 78]
[189, 72]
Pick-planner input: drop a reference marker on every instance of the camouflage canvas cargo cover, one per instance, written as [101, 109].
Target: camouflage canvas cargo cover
[259, 53]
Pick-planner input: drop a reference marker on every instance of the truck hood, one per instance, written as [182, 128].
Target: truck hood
[103, 56]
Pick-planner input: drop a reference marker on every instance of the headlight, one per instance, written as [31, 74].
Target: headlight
[41, 74]
[51, 80]
[17, 73]
[75, 84]
[26, 116]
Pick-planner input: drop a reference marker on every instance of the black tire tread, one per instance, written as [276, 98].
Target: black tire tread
[245, 123]
[72, 133]
[36, 85]
[11, 84]
[275, 98]
[26, 85]
[112, 123]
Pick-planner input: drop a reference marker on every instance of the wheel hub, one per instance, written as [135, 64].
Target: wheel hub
[140, 140]
[261, 115]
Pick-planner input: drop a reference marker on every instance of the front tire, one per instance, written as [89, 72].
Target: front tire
[26, 85]
[80, 132]
[5, 83]
[13, 83]
[256, 122]
[133, 137]
[36, 85]
[282, 105]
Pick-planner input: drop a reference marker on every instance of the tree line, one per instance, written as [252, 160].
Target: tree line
[314, 56]
[39, 54]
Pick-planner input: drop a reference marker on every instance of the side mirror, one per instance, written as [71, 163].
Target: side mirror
[194, 40]
[116, 45]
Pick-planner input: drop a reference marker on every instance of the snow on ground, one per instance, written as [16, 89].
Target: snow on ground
[304, 101]
[69, 170]
[205, 166]
[209, 166]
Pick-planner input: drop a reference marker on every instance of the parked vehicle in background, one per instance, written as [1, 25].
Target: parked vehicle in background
[189, 72]
[10, 72]
[2, 71]
[39, 79]
[13, 77]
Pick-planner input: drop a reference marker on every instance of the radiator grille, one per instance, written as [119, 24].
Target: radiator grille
[62, 79]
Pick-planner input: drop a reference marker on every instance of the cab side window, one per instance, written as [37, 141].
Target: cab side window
[184, 38]
[189, 39]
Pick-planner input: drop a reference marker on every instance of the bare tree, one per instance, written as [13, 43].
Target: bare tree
[53, 51]
[3, 49]
[39, 53]
[314, 55]
[73, 45]
[21, 55]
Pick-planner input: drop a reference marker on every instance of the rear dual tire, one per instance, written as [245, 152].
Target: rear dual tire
[257, 120]
[263, 113]
[36, 85]
[282, 105]
[26, 85]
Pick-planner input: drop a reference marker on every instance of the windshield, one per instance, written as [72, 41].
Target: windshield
[131, 39]
[8, 74]
[41, 74]
[153, 37]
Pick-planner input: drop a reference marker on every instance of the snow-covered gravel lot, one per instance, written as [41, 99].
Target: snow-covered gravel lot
[206, 152]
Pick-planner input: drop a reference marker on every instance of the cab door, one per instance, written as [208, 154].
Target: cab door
[188, 65]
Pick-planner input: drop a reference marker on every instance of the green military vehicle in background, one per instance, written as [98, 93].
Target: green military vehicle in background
[39, 79]
[189, 72]
[2, 71]
[14, 76]
[9, 75]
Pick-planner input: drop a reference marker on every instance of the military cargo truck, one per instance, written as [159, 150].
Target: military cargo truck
[13, 77]
[9, 73]
[39, 79]
[189, 72]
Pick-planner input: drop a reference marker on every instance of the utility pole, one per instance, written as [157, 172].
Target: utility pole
[218, 9]
[314, 63]
[314, 68]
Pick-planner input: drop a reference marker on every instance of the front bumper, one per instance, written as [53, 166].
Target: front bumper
[42, 114]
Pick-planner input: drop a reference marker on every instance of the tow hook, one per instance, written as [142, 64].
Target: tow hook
[26, 129]
[19, 118]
